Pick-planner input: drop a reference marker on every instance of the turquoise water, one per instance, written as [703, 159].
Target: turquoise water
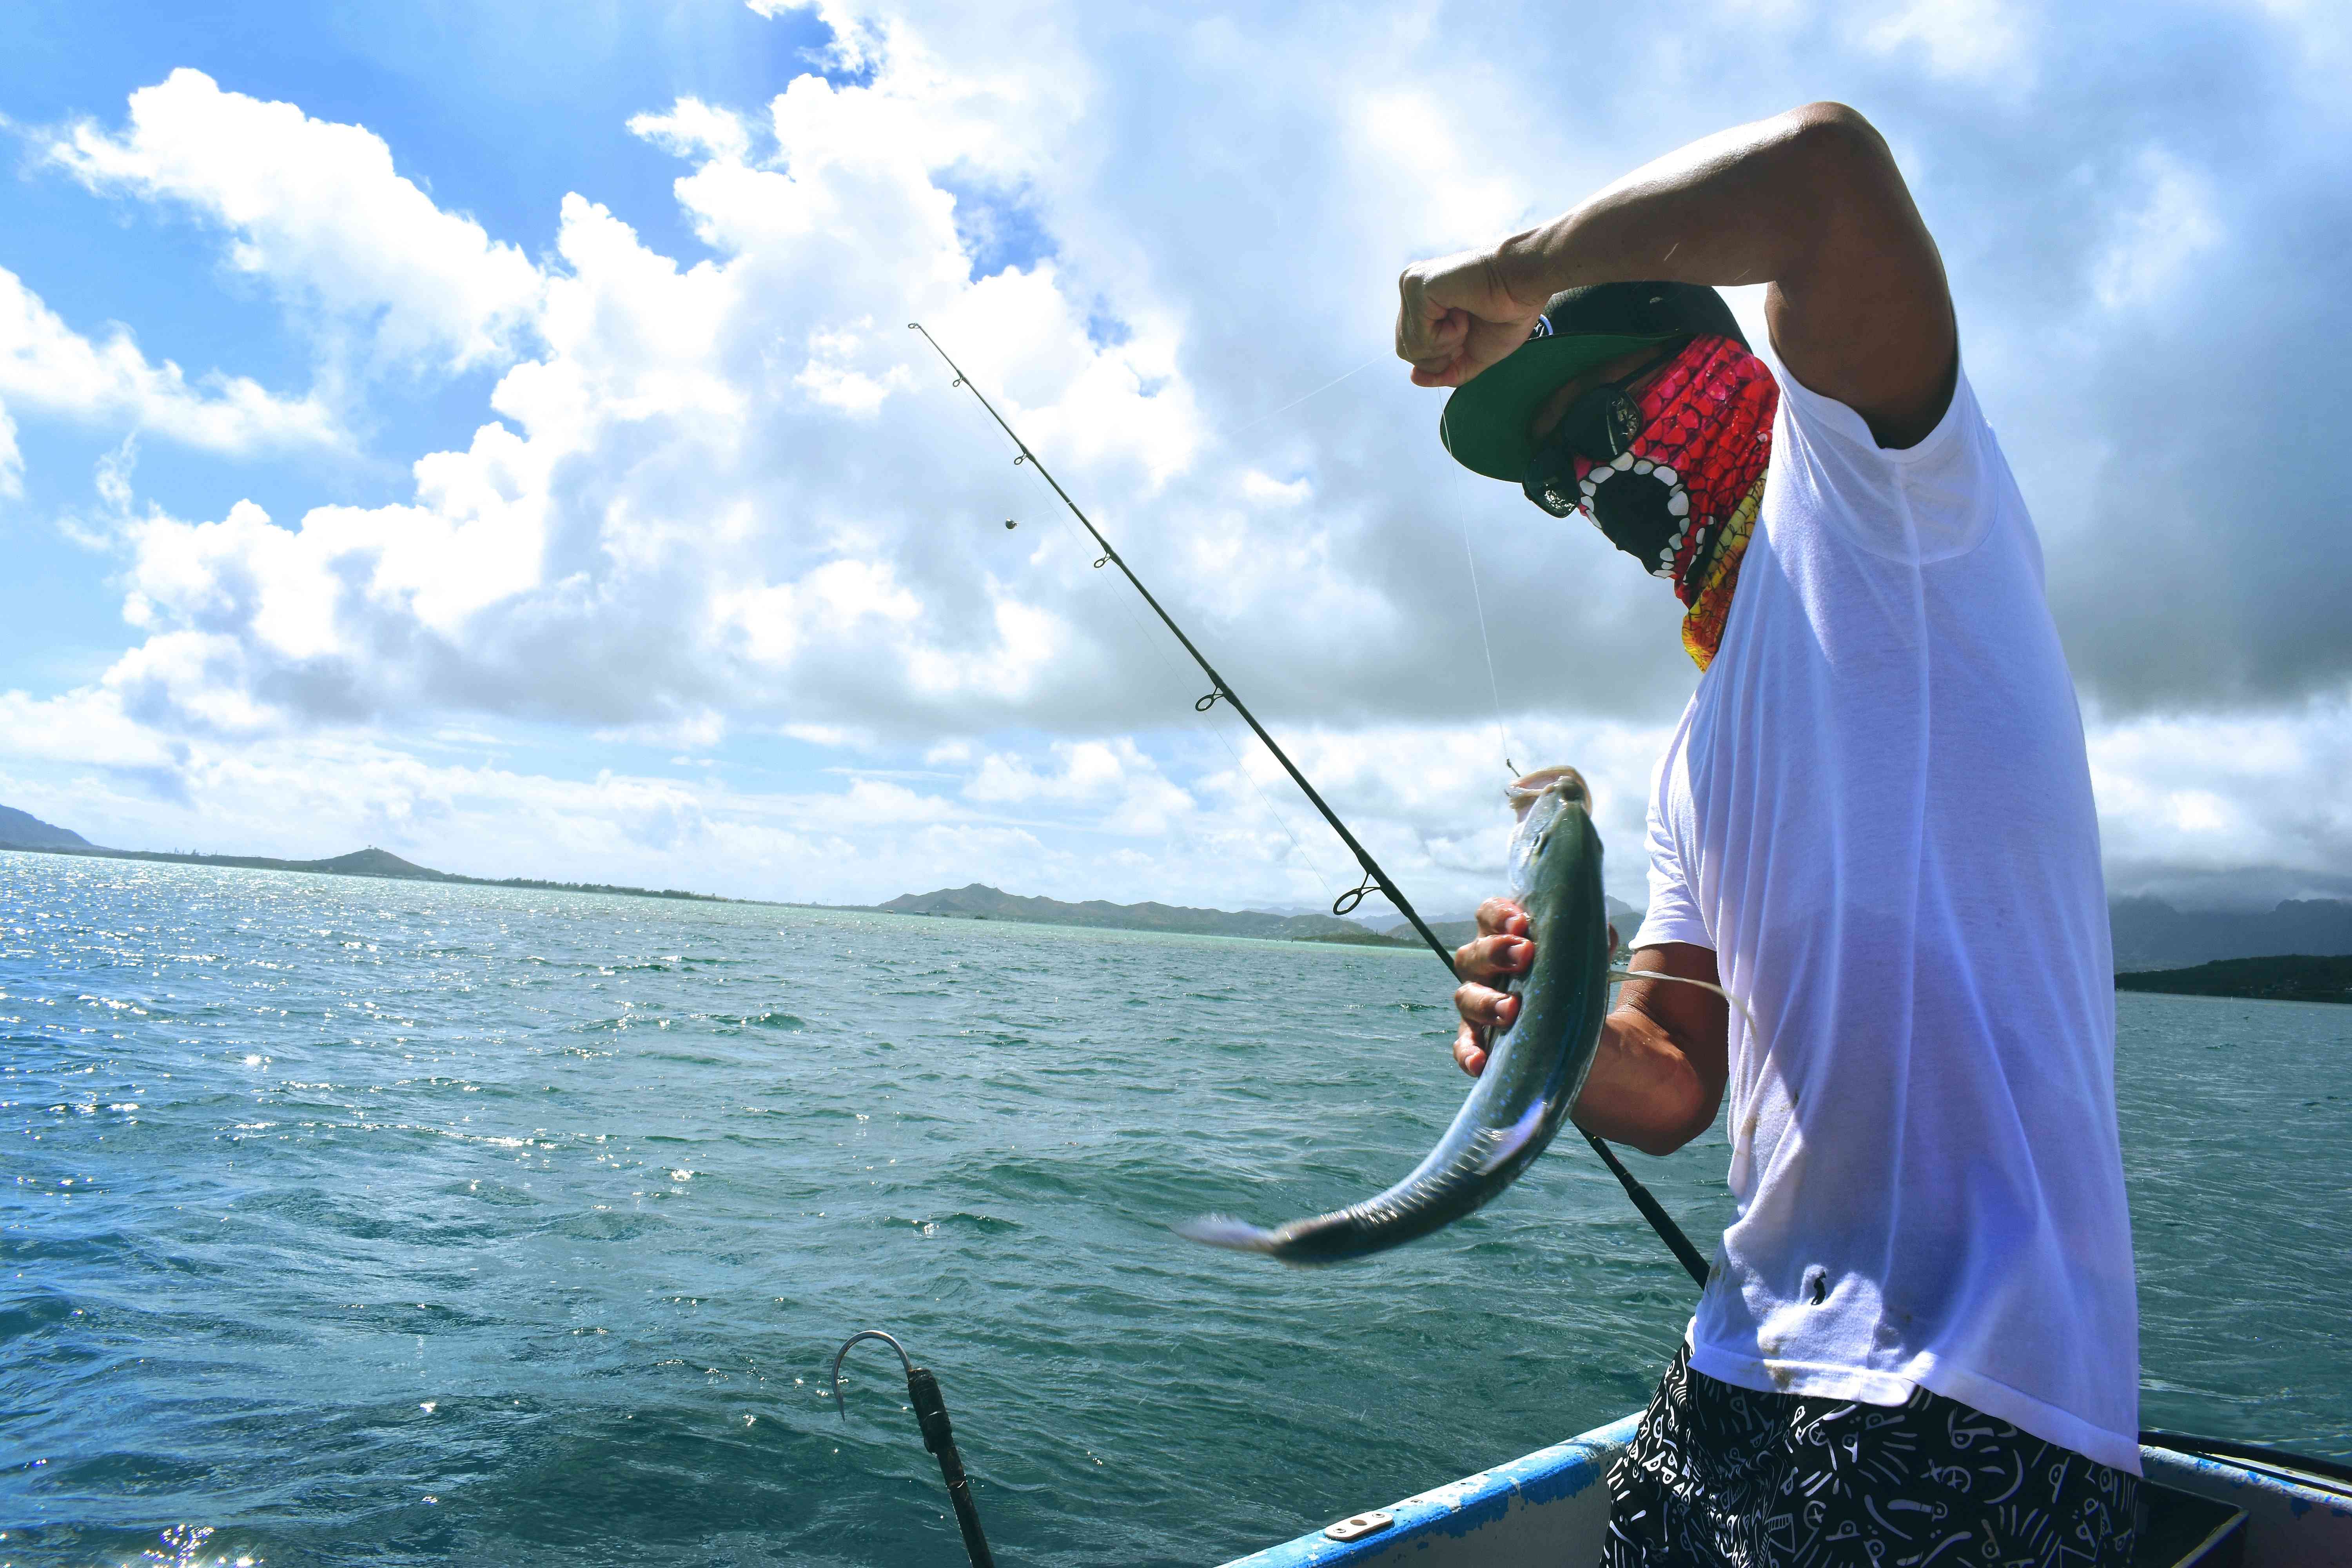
[356, 1221]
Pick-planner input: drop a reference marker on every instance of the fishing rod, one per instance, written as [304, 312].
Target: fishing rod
[1374, 879]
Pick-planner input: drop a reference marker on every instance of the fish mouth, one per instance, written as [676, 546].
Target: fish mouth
[1564, 781]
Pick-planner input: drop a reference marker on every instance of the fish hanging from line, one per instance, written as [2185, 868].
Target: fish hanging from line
[1375, 880]
[1535, 1069]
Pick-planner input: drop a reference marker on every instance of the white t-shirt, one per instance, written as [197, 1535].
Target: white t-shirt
[1877, 813]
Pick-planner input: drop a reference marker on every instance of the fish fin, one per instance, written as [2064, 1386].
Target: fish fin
[1744, 1011]
[1224, 1230]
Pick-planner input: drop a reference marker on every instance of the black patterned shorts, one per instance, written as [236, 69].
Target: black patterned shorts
[1720, 1475]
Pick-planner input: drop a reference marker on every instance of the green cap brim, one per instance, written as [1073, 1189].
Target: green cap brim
[1485, 424]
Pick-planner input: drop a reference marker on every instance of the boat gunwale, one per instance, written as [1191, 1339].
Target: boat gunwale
[1566, 1469]
[2291, 1466]
[1458, 1508]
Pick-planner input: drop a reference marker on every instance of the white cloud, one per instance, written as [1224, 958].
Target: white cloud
[1114, 782]
[2223, 792]
[719, 500]
[2155, 242]
[683, 509]
[1983, 41]
[693, 129]
[12, 457]
[88, 728]
[317, 211]
[1428, 148]
[46, 366]
[2181, 798]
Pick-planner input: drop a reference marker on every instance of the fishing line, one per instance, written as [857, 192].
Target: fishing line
[1374, 879]
[1502, 740]
[1227, 434]
[1208, 722]
[1480, 602]
[1266, 801]
[1220, 690]
[1218, 730]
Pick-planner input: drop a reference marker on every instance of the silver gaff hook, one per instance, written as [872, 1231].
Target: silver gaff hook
[931, 1411]
[904, 1360]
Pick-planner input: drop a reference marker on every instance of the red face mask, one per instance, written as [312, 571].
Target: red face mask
[1682, 496]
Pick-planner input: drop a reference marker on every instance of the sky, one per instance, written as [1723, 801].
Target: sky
[492, 433]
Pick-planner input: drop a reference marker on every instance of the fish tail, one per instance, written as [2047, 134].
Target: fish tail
[1224, 1230]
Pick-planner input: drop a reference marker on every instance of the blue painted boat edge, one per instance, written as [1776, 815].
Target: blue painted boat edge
[2240, 1482]
[1459, 1508]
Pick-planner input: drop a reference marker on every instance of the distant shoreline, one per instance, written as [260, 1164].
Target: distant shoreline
[2284, 978]
[379, 864]
[2291, 977]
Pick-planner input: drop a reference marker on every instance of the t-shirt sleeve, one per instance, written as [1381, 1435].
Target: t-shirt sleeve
[1917, 505]
[1674, 914]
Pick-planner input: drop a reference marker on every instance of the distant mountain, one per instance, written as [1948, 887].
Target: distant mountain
[979, 901]
[2151, 935]
[23, 830]
[1455, 930]
[2291, 979]
[368, 862]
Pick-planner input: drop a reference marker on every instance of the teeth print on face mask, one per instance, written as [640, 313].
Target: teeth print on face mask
[1682, 498]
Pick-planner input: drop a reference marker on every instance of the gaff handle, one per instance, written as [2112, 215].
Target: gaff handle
[938, 1436]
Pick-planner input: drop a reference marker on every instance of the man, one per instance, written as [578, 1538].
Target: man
[1918, 1342]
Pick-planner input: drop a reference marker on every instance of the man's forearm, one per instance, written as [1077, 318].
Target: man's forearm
[1741, 206]
[1644, 1089]
[1810, 201]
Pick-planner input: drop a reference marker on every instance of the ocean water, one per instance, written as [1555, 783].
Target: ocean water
[368, 1222]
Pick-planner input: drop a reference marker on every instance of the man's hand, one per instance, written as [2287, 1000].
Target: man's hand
[1500, 949]
[1658, 1072]
[1455, 318]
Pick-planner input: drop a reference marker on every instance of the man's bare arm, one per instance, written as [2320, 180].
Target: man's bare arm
[1657, 1079]
[1658, 1074]
[1810, 201]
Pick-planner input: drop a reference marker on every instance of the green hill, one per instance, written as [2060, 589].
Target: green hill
[368, 862]
[23, 830]
[2294, 977]
[979, 901]
[2151, 935]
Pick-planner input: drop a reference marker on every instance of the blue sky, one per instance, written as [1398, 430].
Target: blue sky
[547, 484]
[496, 111]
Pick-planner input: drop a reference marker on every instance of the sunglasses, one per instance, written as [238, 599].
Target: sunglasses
[1601, 424]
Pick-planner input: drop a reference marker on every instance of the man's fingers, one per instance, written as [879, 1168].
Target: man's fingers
[1500, 917]
[1489, 957]
[1468, 1054]
[1456, 317]
[1485, 1006]
[1429, 338]
[1501, 949]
